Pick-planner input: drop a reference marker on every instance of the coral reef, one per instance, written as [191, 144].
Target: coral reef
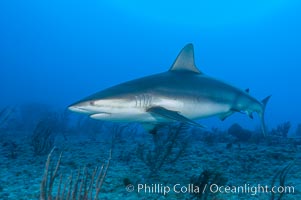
[281, 130]
[175, 153]
[239, 133]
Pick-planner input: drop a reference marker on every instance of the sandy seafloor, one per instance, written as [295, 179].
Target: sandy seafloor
[246, 163]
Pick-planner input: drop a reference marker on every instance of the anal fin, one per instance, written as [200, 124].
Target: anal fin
[225, 115]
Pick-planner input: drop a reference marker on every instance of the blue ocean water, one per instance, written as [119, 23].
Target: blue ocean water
[57, 52]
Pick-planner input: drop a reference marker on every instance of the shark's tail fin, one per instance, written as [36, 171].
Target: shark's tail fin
[261, 114]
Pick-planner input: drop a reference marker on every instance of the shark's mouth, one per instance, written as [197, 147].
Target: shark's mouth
[78, 109]
[100, 115]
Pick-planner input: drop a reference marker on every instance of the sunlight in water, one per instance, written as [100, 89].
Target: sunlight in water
[201, 13]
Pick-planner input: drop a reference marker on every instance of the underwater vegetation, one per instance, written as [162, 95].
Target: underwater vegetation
[78, 186]
[169, 145]
[281, 130]
[10, 149]
[42, 138]
[298, 131]
[100, 159]
[205, 178]
[5, 114]
[281, 175]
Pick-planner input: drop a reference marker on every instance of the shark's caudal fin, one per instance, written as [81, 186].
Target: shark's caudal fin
[261, 114]
[185, 61]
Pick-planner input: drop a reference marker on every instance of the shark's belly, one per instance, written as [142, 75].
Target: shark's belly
[196, 111]
[137, 111]
[193, 108]
[130, 114]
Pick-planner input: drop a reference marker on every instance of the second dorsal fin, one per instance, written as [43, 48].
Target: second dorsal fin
[185, 60]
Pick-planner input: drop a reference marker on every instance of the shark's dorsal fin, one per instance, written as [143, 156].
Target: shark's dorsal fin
[185, 60]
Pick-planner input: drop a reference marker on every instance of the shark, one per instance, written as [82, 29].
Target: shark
[182, 94]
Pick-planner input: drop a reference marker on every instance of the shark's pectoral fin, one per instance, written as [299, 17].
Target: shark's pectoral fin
[172, 115]
[226, 115]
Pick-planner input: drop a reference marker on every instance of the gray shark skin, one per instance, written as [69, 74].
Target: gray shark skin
[181, 94]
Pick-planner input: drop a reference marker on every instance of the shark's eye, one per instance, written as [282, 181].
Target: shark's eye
[92, 103]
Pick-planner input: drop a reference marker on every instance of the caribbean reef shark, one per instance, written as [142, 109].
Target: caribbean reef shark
[182, 94]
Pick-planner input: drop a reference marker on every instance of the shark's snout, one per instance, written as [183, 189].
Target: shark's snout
[81, 107]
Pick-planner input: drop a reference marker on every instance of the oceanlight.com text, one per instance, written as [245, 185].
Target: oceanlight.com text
[209, 188]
